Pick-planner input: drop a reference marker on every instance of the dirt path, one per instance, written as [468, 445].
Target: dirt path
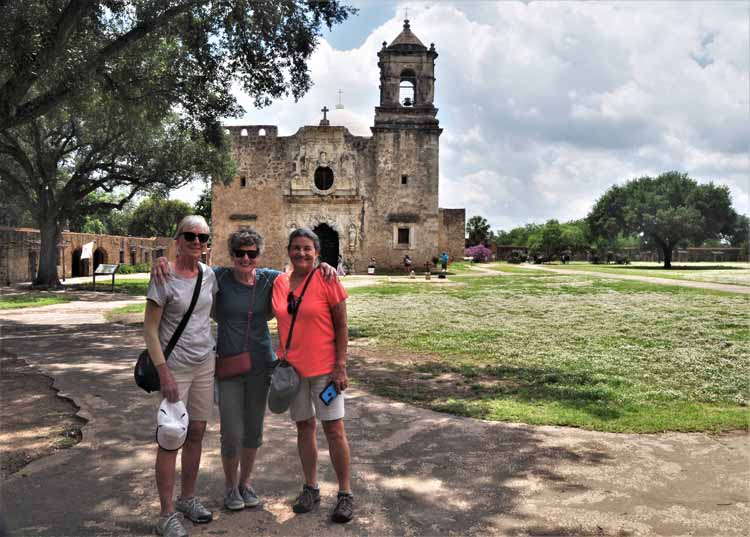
[415, 472]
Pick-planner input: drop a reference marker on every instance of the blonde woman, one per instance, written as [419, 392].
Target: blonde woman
[188, 375]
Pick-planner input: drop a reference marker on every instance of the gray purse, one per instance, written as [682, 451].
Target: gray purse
[285, 379]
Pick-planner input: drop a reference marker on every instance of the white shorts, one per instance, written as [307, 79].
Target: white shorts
[308, 404]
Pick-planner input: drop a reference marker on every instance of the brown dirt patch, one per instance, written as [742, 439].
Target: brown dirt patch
[34, 420]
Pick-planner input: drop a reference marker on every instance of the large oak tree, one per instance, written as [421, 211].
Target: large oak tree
[126, 95]
[53, 164]
[52, 52]
[664, 211]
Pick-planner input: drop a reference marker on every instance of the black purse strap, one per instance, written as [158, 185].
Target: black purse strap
[299, 303]
[186, 318]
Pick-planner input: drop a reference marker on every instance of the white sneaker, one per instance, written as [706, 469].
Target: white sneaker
[193, 510]
[171, 526]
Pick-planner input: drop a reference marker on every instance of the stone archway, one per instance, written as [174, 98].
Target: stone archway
[100, 257]
[329, 243]
[79, 267]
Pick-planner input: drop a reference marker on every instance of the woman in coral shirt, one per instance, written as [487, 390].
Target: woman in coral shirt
[318, 353]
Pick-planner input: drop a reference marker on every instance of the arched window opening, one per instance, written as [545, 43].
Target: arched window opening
[243, 132]
[407, 87]
[323, 178]
[262, 132]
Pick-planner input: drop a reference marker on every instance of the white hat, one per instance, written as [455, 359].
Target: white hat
[171, 425]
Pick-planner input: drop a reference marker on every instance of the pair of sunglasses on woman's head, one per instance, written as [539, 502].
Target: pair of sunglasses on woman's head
[190, 236]
[239, 254]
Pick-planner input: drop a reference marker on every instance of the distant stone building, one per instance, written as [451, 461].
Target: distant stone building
[364, 196]
[19, 253]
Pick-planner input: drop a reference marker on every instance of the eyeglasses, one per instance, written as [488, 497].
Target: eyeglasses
[292, 303]
[190, 236]
[239, 254]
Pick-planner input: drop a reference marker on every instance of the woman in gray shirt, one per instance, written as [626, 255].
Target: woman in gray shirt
[189, 374]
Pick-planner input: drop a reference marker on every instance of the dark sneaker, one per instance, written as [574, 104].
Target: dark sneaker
[307, 499]
[249, 496]
[171, 526]
[193, 510]
[233, 500]
[344, 510]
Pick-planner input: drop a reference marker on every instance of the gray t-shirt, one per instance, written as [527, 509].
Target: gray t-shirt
[196, 343]
[232, 304]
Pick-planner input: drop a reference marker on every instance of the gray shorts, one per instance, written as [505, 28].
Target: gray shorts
[242, 409]
[307, 403]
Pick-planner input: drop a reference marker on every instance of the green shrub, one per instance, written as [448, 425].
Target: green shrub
[132, 269]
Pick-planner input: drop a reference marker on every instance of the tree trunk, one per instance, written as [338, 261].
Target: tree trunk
[46, 276]
[667, 250]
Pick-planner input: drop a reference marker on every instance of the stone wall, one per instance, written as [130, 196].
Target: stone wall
[20, 252]
[452, 233]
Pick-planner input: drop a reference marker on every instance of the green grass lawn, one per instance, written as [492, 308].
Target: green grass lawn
[730, 273]
[134, 287]
[547, 348]
[31, 300]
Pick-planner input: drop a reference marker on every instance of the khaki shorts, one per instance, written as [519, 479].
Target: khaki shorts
[307, 403]
[195, 385]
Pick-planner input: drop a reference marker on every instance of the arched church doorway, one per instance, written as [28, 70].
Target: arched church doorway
[329, 244]
[100, 257]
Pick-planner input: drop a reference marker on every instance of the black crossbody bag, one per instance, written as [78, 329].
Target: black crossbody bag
[146, 376]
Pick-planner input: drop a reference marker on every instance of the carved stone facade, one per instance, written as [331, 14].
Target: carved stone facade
[366, 197]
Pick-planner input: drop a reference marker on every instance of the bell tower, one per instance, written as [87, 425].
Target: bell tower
[401, 212]
[407, 82]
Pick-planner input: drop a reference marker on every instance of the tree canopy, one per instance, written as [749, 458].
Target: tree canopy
[53, 52]
[117, 149]
[478, 230]
[664, 211]
[203, 204]
[157, 217]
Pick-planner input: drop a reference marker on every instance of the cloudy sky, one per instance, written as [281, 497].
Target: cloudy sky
[544, 105]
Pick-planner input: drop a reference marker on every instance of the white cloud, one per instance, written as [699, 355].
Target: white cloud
[545, 105]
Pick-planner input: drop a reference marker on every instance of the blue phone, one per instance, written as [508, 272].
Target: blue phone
[329, 393]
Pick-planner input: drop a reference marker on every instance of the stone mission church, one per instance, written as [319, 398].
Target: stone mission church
[365, 197]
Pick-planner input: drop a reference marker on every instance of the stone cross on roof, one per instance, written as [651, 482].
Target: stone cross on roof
[324, 122]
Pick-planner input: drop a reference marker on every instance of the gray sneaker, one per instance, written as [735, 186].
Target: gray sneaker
[249, 496]
[171, 526]
[233, 500]
[193, 510]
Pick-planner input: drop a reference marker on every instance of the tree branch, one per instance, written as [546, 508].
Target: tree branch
[17, 86]
[44, 103]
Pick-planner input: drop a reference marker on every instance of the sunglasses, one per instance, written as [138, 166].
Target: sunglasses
[190, 236]
[292, 303]
[239, 254]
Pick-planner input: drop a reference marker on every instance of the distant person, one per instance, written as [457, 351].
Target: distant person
[340, 269]
[188, 376]
[407, 263]
[444, 261]
[317, 350]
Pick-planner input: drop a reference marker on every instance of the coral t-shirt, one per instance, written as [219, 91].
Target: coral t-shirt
[313, 349]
